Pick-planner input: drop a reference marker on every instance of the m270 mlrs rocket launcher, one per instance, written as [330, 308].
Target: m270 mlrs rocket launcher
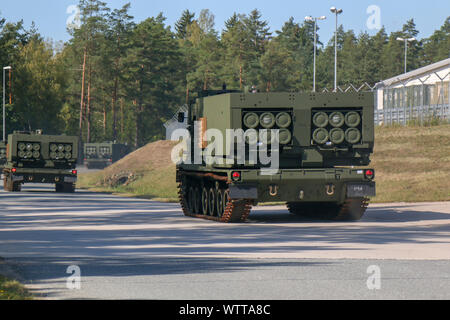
[33, 157]
[324, 145]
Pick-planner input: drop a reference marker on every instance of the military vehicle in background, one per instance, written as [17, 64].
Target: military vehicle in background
[2, 154]
[325, 143]
[101, 155]
[33, 157]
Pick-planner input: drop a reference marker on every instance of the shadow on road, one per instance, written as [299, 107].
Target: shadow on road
[108, 235]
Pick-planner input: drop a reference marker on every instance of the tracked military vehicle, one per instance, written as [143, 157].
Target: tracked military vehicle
[101, 155]
[324, 145]
[33, 157]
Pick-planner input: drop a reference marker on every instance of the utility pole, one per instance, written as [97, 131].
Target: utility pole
[82, 93]
[309, 18]
[4, 102]
[406, 40]
[336, 12]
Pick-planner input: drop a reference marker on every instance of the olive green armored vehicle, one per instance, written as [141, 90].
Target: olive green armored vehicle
[101, 155]
[33, 157]
[322, 145]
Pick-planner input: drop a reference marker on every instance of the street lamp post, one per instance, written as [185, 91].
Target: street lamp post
[4, 103]
[309, 18]
[406, 40]
[336, 12]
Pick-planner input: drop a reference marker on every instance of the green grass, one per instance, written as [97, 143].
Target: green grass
[12, 290]
[412, 163]
[152, 184]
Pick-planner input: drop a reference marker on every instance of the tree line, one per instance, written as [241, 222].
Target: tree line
[119, 80]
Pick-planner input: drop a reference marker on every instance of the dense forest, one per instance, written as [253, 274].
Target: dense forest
[116, 79]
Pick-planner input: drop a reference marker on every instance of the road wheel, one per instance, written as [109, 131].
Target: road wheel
[226, 199]
[219, 203]
[205, 201]
[212, 202]
[197, 200]
[190, 199]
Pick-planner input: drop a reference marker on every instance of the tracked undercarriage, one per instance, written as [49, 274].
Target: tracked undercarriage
[208, 197]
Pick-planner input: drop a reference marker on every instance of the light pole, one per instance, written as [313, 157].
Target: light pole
[4, 95]
[406, 40]
[309, 18]
[336, 12]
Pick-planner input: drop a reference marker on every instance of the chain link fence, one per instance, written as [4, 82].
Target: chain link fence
[418, 100]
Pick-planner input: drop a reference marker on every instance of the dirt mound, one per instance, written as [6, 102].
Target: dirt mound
[154, 156]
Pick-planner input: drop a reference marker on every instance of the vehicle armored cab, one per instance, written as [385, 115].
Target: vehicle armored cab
[101, 155]
[323, 143]
[33, 157]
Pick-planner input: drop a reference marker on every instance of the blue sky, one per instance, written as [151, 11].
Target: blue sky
[51, 16]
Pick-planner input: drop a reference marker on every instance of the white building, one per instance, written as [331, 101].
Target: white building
[427, 86]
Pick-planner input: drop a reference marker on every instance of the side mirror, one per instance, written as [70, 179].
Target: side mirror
[181, 117]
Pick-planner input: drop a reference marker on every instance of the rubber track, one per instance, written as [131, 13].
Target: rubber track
[235, 211]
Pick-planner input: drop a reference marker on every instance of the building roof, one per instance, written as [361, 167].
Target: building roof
[414, 74]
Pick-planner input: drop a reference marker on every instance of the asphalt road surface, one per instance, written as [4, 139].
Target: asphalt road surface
[124, 248]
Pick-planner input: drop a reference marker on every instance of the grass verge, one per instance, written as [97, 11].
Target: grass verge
[12, 290]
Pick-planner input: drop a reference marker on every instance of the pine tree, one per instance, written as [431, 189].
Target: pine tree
[183, 23]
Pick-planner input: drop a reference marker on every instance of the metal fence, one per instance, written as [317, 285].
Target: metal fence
[414, 99]
[405, 115]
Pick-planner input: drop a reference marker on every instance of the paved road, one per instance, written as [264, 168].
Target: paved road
[139, 249]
